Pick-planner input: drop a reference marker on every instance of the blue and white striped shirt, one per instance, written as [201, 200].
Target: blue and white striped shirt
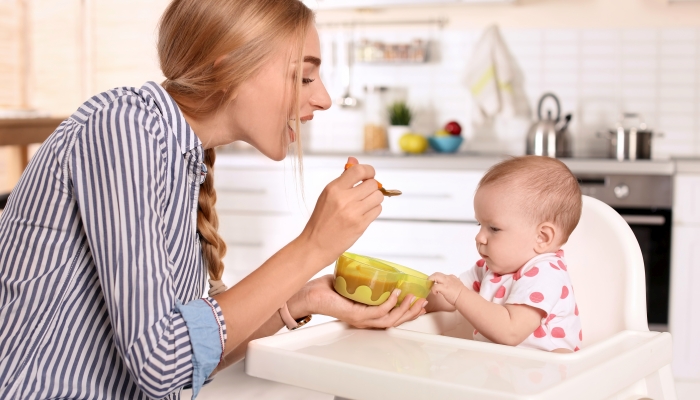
[98, 246]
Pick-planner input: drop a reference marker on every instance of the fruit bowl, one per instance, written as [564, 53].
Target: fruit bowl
[412, 281]
[364, 279]
[370, 280]
[445, 144]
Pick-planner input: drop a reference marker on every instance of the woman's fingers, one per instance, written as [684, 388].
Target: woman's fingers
[416, 310]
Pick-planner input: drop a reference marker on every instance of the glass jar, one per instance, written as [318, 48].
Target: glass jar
[375, 118]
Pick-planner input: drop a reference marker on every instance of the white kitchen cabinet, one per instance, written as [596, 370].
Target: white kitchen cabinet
[684, 318]
[686, 206]
[336, 4]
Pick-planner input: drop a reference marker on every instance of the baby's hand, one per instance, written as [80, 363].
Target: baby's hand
[447, 286]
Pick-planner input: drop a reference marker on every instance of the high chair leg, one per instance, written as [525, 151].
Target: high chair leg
[661, 384]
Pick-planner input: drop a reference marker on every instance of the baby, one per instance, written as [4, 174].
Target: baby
[519, 293]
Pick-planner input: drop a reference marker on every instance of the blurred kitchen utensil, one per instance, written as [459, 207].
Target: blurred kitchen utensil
[544, 138]
[346, 100]
[631, 139]
[385, 192]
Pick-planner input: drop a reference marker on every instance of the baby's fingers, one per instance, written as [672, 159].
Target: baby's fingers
[438, 277]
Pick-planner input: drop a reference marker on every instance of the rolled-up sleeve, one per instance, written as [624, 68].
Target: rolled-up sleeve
[118, 172]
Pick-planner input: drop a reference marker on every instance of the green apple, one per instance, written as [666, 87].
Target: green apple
[413, 143]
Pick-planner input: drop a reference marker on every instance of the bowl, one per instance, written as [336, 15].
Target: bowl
[445, 144]
[414, 282]
[365, 279]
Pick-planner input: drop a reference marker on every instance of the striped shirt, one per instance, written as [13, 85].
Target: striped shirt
[98, 247]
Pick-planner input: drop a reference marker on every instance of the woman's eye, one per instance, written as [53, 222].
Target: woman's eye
[306, 81]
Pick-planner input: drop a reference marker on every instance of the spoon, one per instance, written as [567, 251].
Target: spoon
[385, 192]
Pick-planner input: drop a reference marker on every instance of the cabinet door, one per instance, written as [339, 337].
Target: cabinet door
[434, 195]
[428, 247]
[684, 319]
[252, 239]
[686, 207]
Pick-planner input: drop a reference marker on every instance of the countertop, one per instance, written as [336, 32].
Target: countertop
[462, 161]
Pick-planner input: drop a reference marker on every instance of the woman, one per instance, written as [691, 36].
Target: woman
[106, 241]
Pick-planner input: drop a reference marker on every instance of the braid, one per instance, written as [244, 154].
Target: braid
[213, 246]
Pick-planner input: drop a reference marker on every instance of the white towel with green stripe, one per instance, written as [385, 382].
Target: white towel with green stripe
[495, 80]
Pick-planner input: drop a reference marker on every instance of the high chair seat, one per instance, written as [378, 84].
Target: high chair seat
[431, 358]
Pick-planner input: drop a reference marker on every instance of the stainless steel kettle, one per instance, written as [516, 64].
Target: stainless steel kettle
[544, 137]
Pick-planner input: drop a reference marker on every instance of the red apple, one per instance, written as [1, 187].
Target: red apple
[453, 128]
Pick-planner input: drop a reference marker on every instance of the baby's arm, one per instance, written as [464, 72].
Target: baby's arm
[508, 324]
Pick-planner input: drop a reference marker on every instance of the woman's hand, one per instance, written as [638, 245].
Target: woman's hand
[323, 299]
[343, 211]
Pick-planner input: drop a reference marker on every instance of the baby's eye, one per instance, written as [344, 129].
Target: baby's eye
[494, 229]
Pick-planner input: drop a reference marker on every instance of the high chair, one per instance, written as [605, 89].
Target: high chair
[430, 358]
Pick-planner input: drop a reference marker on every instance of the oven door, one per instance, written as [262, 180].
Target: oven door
[652, 227]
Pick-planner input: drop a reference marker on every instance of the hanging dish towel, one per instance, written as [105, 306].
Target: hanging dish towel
[495, 80]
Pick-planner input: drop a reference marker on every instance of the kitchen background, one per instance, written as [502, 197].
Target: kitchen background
[600, 57]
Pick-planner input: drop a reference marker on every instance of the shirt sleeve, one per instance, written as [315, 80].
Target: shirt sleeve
[472, 277]
[207, 335]
[540, 286]
[117, 169]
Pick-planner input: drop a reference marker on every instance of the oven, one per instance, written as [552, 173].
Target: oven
[644, 201]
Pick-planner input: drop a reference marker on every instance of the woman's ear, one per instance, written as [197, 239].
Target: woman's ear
[546, 232]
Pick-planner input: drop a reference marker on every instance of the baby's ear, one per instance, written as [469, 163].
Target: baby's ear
[546, 233]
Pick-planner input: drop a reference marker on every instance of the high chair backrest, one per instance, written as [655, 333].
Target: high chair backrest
[607, 272]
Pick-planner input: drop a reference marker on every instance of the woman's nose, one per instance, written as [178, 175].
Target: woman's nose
[320, 99]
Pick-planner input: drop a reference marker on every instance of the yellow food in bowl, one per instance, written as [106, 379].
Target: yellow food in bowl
[364, 279]
[370, 280]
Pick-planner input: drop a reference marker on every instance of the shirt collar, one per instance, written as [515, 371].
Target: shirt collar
[184, 135]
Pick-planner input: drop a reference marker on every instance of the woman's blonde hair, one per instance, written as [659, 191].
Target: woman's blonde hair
[206, 49]
[548, 191]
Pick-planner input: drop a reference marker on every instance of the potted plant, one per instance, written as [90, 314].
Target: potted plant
[400, 118]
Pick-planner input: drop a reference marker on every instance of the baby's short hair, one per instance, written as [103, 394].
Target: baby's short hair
[549, 191]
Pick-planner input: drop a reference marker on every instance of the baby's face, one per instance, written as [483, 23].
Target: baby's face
[507, 238]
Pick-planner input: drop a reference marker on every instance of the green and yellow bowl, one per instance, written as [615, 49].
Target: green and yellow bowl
[364, 279]
[370, 280]
[412, 281]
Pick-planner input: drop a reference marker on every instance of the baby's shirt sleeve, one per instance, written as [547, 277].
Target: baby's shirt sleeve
[540, 286]
[472, 277]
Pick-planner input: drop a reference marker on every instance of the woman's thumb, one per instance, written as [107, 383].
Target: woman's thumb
[352, 160]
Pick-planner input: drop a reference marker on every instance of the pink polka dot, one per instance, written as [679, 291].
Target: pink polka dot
[558, 333]
[496, 278]
[580, 334]
[576, 310]
[536, 297]
[562, 265]
[559, 253]
[501, 292]
[535, 377]
[480, 263]
[532, 272]
[518, 274]
[564, 292]
[553, 266]
[539, 332]
[477, 286]
[576, 348]
[549, 318]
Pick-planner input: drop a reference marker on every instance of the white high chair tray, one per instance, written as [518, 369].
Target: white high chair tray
[408, 363]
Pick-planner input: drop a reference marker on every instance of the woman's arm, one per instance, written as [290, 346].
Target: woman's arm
[342, 213]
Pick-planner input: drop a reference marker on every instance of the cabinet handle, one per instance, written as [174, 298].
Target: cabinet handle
[245, 244]
[242, 190]
[655, 220]
[427, 195]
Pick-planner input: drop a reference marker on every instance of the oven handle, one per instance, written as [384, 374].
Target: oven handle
[656, 220]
